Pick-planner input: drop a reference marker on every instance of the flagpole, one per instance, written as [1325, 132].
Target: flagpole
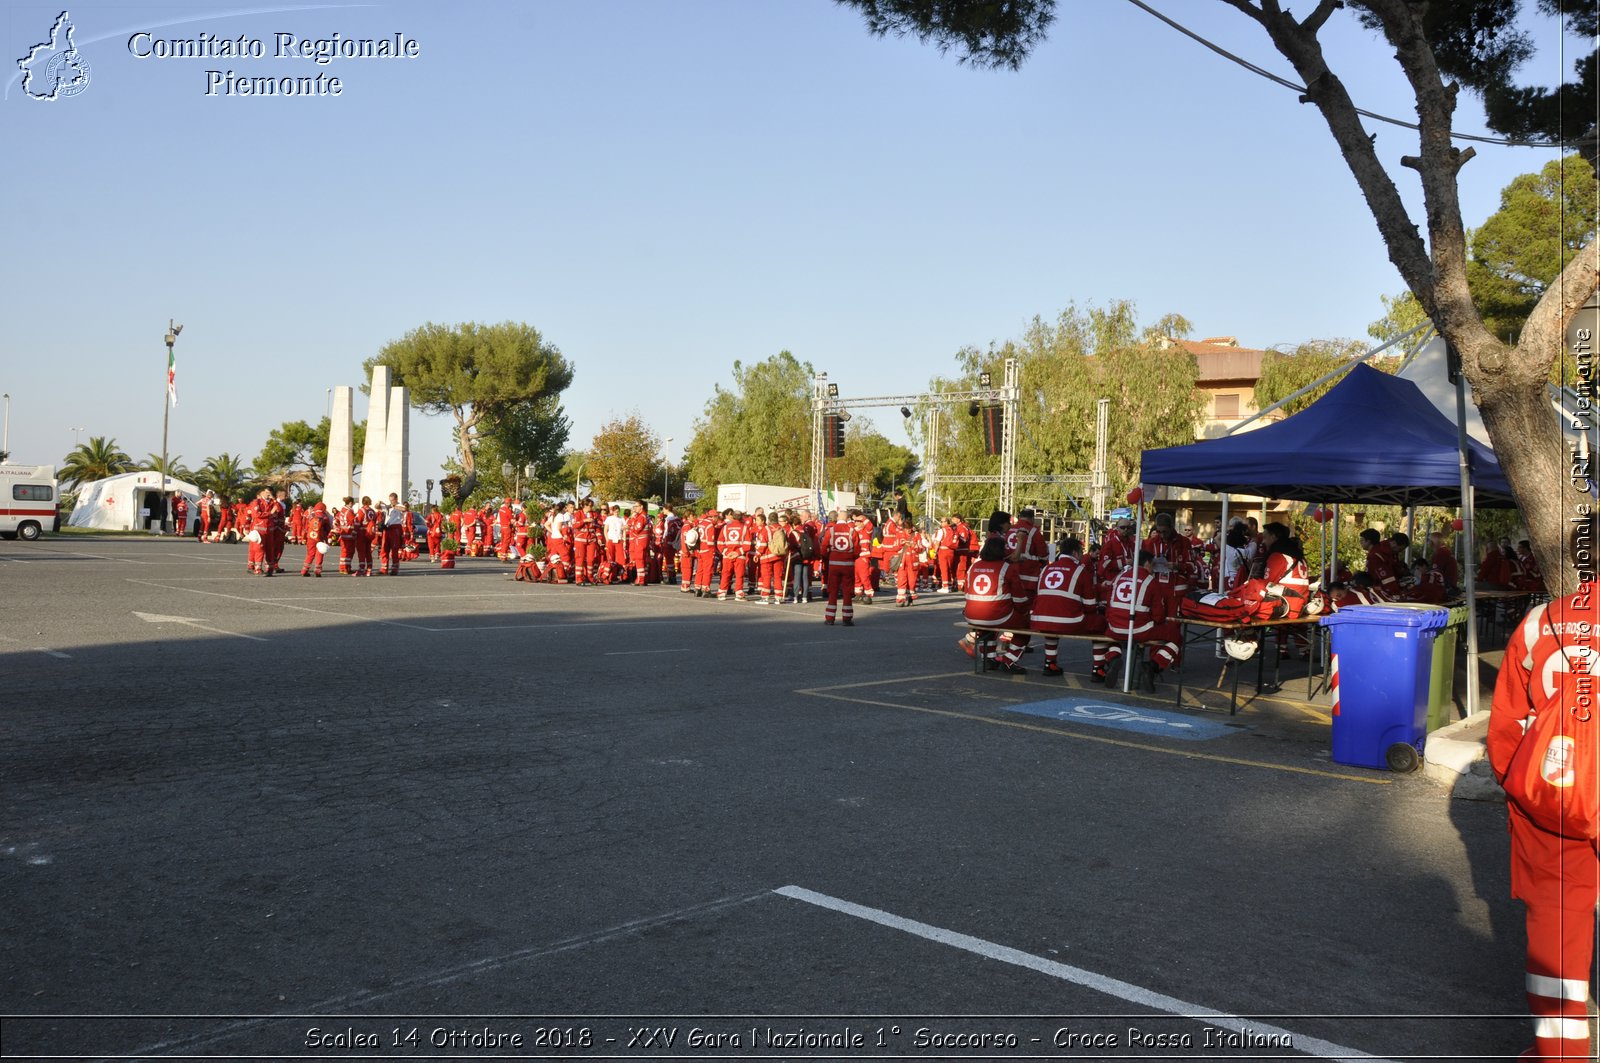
[169, 396]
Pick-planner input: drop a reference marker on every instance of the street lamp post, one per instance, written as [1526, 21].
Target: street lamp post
[429, 501]
[578, 485]
[666, 471]
[507, 471]
[166, 416]
[5, 438]
[527, 474]
[74, 429]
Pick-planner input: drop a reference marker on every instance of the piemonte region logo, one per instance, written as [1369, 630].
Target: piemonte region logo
[54, 68]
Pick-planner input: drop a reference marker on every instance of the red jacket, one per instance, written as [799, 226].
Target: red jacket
[639, 532]
[1068, 600]
[1177, 553]
[732, 540]
[1027, 548]
[1383, 568]
[1138, 602]
[841, 544]
[995, 595]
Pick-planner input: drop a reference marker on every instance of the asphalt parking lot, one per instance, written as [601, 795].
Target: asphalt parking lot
[283, 818]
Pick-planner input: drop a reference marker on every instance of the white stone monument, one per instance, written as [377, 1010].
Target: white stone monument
[338, 482]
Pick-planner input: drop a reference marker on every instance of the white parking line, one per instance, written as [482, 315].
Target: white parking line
[635, 653]
[1136, 995]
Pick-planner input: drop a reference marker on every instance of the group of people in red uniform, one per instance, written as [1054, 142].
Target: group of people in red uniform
[269, 523]
[1123, 588]
[1145, 589]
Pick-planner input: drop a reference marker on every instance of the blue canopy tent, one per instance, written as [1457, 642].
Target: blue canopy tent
[1373, 439]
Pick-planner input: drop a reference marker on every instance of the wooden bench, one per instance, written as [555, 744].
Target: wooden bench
[980, 630]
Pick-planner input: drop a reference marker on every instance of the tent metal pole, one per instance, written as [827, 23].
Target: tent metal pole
[1469, 569]
[1133, 599]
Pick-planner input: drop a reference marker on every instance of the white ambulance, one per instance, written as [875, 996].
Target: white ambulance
[28, 498]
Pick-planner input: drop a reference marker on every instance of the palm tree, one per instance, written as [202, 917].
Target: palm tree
[175, 468]
[94, 460]
[225, 474]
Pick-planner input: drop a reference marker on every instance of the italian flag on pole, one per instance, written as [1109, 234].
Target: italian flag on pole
[172, 376]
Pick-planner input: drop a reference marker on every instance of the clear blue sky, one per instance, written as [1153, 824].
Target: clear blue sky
[661, 188]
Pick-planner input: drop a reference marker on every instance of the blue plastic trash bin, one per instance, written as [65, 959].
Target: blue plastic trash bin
[1383, 658]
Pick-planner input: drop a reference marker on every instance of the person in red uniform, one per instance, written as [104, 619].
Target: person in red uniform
[506, 518]
[344, 526]
[1174, 556]
[900, 552]
[180, 515]
[1068, 603]
[297, 523]
[1141, 604]
[262, 515]
[965, 554]
[1383, 564]
[996, 598]
[1555, 870]
[944, 552]
[705, 552]
[318, 528]
[688, 550]
[558, 541]
[519, 533]
[586, 542]
[1440, 557]
[816, 569]
[668, 542]
[840, 548]
[202, 526]
[366, 519]
[769, 561]
[1494, 572]
[640, 538]
[1115, 550]
[733, 545]
[396, 529]
[435, 525]
[1026, 548]
[864, 558]
[245, 523]
[1525, 570]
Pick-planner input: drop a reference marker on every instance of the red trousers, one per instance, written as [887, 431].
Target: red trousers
[905, 581]
[313, 559]
[639, 558]
[1164, 641]
[770, 580]
[561, 553]
[732, 574]
[863, 576]
[389, 549]
[434, 539]
[617, 553]
[946, 567]
[584, 559]
[704, 562]
[841, 585]
[364, 551]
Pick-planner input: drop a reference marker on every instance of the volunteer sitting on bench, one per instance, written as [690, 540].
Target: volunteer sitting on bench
[996, 599]
[1140, 603]
[1068, 603]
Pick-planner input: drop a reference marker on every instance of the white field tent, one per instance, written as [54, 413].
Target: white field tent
[129, 501]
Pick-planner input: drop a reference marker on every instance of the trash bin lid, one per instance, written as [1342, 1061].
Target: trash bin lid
[1413, 615]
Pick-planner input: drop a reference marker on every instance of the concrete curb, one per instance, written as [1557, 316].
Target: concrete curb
[1456, 757]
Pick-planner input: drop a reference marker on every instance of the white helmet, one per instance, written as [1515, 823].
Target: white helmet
[1240, 649]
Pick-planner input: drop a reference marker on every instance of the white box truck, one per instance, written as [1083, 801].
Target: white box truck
[747, 498]
[28, 497]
